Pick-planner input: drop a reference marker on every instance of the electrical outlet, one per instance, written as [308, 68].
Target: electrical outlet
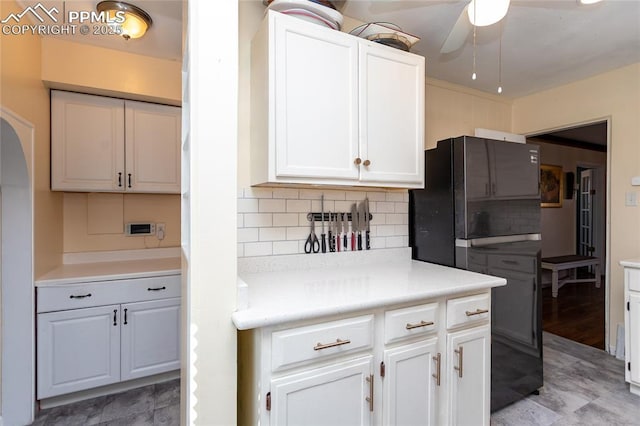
[160, 231]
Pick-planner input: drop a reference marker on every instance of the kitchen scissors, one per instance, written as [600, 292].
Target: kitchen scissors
[312, 244]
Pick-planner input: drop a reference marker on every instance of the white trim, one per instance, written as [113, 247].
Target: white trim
[120, 255]
[18, 295]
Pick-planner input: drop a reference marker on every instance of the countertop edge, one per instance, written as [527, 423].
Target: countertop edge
[245, 320]
[631, 263]
[112, 277]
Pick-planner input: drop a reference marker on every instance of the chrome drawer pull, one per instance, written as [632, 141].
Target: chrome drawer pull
[157, 288]
[339, 342]
[82, 296]
[476, 312]
[460, 354]
[438, 360]
[410, 326]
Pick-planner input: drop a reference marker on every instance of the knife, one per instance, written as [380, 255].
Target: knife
[360, 224]
[323, 236]
[354, 226]
[338, 230]
[345, 230]
[366, 221]
[332, 246]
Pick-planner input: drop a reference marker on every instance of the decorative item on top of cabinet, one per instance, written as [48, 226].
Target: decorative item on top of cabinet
[101, 144]
[321, 108]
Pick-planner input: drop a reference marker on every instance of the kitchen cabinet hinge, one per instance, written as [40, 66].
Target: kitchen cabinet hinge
[268, 401]
[382, 369]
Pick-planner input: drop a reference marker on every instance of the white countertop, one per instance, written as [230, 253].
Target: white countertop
[631, 263]
[106, 271]
[290, 295]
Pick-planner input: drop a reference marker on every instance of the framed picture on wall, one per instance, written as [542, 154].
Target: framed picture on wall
[551, 186]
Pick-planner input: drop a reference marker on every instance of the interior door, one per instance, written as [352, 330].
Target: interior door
[585, 226]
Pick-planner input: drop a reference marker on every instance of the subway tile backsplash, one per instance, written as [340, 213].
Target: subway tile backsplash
[273, 221]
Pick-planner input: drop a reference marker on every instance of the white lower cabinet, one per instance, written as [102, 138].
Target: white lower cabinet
[150, 339]
[80, 347]
[422, 364]
[632, 326]
[409, 384]
[334, 395]
[469, 376]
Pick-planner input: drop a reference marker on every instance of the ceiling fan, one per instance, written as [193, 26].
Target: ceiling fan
[480, 13]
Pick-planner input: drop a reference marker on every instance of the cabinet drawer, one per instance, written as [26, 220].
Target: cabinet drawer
[633, 278]
[408, 322]
[74, 296]
[306, 344]
[513, 263]
[469, 309]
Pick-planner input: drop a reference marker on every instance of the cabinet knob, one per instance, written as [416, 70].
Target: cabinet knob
[366, 163]
[357, 161]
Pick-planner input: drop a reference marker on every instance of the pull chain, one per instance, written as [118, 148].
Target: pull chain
[500, 61]
[473, 76]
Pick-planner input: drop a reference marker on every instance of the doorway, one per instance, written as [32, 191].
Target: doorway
[17, 394]
[577, 227]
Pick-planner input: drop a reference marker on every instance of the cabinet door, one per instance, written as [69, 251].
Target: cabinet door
[78, 349]
[87, 142]
[315, 99]
[634, 336]
[469, 376]
[152, 147]
[150, 337]
[335, 395]
[391, 115]
[409, 385]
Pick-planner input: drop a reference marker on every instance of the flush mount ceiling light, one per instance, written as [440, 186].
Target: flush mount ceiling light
[588, 1]
[487, 12]
[136, 21]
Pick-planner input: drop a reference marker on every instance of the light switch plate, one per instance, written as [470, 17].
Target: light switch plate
[631, 199]
[635, 181]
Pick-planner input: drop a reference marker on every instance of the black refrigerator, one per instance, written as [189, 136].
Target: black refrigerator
[480, 211]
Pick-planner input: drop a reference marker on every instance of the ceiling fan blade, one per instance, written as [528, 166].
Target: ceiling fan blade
[458, 35]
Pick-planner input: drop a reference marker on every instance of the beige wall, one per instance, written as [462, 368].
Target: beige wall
[91, 69]
[22, 91]
[94, 222]
[559, 223]
[614, 95]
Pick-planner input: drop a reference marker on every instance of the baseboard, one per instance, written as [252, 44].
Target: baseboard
[107, 390]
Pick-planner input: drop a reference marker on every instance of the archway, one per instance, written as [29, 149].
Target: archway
[16, 270]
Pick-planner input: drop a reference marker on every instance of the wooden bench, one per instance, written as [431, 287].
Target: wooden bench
[560, 263]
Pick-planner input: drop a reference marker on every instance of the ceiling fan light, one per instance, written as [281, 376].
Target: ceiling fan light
[487, 12]
[136, 21]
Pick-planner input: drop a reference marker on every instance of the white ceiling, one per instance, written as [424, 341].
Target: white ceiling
[544, 43]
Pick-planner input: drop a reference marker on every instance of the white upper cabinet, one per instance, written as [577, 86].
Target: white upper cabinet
[152, 147]
[87, 142]
[391, 116]
[331, 108]
[113, 145]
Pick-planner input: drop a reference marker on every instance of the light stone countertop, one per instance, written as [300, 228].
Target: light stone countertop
[631, 263]
[108, 271]
[287, 295]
